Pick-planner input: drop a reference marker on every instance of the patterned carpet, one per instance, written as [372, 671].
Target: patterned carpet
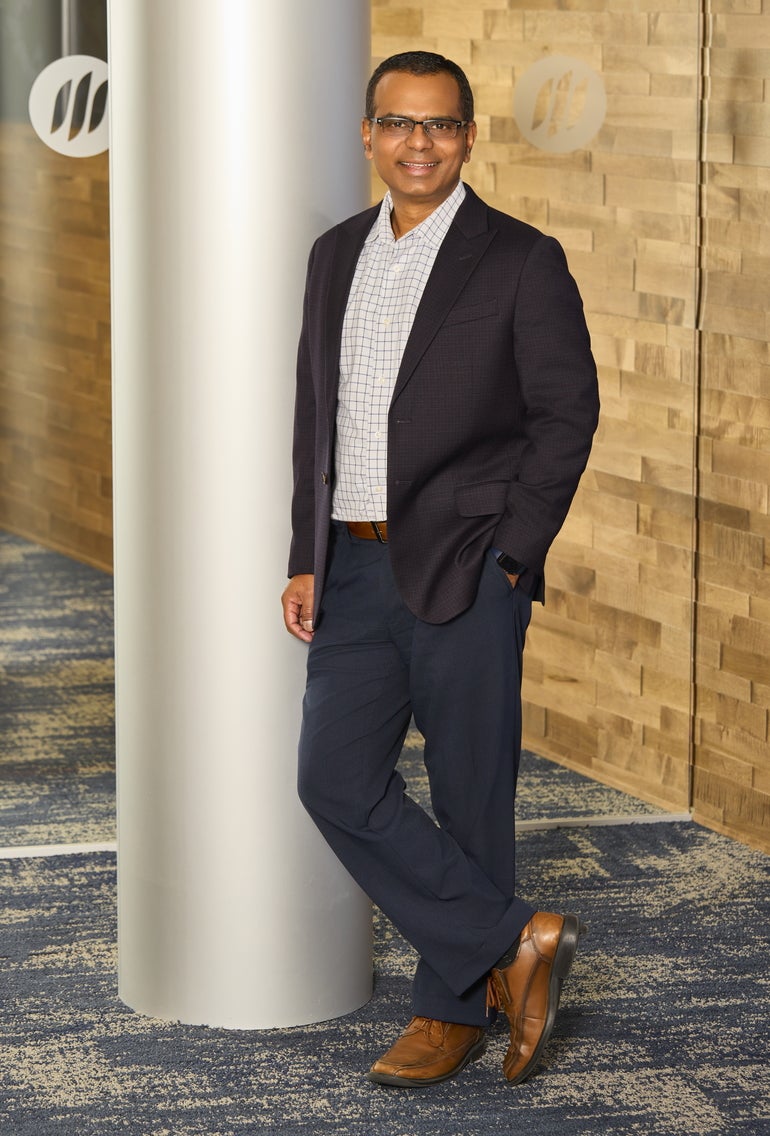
[664, 1021]
[57, 732]
[663, 1027]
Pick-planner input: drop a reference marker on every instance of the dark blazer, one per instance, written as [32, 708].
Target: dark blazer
[492, 414]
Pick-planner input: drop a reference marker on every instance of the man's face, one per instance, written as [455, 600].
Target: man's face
[418, 169]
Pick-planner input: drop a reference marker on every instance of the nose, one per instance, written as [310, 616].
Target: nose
[418, 139]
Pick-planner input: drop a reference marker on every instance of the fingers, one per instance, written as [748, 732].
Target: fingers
[297, 602]
[297, 625]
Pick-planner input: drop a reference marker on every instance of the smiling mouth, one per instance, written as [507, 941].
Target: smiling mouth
[419, 165]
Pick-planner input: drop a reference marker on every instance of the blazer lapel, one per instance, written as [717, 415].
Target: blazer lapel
[466, 242]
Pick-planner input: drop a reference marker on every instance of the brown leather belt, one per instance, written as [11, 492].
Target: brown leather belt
[369, 530]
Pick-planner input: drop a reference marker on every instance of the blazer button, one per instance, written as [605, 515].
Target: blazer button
[325, 478]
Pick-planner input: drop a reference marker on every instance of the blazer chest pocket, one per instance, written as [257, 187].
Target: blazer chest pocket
[472, 312]
[484, 498]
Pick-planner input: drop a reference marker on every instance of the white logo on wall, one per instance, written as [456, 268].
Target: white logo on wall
[559, 104]
[68, 106]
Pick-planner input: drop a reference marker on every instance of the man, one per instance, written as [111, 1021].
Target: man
[446, 402]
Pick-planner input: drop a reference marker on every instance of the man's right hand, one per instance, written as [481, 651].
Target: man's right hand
[297, 601]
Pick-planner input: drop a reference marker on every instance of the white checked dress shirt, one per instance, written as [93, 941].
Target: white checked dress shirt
[387, 287]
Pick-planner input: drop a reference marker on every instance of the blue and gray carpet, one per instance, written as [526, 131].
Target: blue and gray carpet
[57, 732]
[664, 1020]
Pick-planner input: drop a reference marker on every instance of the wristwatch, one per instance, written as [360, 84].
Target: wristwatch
[509, 565]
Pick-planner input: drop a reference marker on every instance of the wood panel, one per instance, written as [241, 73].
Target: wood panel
[55, 427]
[731, 756]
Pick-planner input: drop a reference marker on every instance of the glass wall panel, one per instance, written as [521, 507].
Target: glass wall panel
[55, 459]
[608, 676]
[649, 665]
[588, 118]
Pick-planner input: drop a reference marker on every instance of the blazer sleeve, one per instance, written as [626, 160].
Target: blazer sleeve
[303, 499]
[559, 388]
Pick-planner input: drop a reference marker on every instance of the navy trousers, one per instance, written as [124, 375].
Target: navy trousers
[448, 887]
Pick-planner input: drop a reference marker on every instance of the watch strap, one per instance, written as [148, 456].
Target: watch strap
[509, 565]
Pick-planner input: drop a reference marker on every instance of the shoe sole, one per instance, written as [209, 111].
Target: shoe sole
[473, 1054]
[565, 953]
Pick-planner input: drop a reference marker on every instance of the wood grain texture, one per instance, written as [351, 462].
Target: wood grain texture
[731, 784]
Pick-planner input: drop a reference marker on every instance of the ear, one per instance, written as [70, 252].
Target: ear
[366, 137]
[470, 138]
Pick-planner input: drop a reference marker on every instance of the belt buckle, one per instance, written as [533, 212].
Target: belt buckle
[378, 532]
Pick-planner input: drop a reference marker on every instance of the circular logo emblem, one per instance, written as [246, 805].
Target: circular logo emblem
[559, 104]
[68, 106]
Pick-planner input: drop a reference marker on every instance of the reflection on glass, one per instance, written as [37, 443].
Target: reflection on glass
[55, 462]
[34, 35]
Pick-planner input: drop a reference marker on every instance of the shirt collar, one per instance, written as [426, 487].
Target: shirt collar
[432, 230]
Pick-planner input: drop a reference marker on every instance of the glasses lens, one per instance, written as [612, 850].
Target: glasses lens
[396, 127]
[440, 128]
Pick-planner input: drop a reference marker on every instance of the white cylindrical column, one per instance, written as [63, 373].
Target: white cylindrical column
[234, 141]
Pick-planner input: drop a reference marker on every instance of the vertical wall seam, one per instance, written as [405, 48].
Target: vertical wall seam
[704, 81]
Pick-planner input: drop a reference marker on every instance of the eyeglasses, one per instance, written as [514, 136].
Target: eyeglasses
[393, 126]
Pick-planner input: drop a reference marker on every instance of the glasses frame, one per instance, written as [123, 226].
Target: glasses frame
[423, 122]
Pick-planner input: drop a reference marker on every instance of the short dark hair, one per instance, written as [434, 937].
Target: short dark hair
[422, 63]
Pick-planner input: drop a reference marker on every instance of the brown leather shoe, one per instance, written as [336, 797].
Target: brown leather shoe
[526, 984]
[428, 1051]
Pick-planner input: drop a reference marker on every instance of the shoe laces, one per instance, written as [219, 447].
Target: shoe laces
[434, 1030]
[493, 997]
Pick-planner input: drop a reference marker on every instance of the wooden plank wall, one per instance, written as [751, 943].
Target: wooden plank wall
[55, 424]
[610, 663]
